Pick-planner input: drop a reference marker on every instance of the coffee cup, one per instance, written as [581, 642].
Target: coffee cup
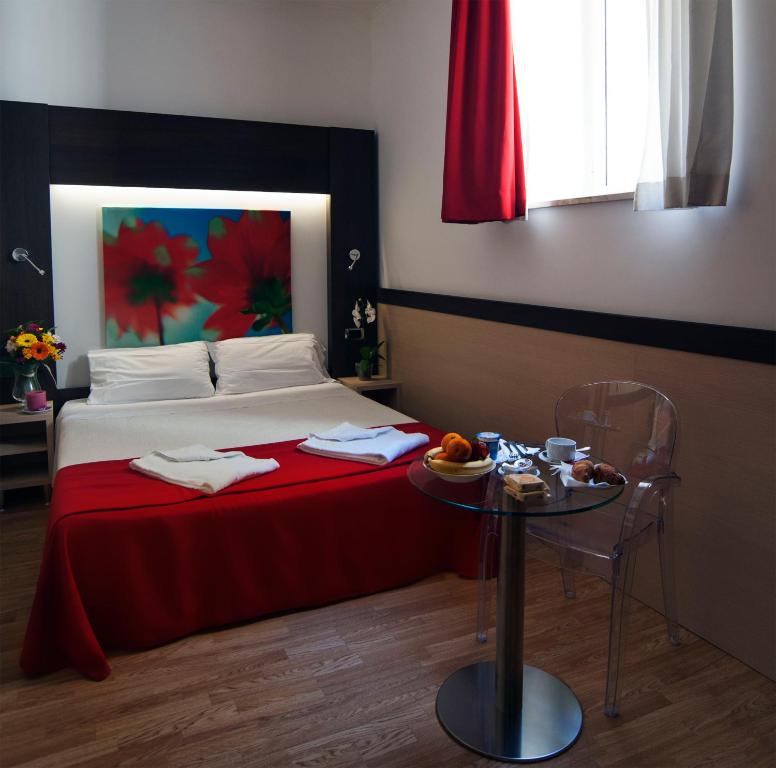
[561, 449]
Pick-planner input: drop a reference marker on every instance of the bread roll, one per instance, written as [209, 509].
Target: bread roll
[583, 470]
[606, 473]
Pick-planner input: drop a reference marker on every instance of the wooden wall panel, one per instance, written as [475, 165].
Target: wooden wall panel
[353, 223]
[469, 374]
[41, 144]
[140, 149]
[25, 220]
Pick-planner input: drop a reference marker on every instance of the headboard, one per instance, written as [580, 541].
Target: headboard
[42, 145]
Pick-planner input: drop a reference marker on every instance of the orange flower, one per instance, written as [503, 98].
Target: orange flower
[39, 350]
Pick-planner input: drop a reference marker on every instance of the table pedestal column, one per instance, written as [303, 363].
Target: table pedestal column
[509, 711]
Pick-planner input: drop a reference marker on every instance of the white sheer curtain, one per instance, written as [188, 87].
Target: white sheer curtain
[690, 119]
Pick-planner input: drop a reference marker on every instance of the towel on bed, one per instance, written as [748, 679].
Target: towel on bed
[383, 448]
[346, 431]
[201, 468]
[195, 453]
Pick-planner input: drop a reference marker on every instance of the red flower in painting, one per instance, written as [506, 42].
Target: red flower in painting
[249, 276]
[148, 274]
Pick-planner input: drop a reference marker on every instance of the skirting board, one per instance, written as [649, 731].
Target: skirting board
[755, 345]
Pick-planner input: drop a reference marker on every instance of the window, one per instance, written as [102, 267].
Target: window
[582, 84]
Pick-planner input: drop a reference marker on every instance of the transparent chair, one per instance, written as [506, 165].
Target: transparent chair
[634, 427]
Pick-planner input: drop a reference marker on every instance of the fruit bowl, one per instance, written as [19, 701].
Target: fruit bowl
[457, 472]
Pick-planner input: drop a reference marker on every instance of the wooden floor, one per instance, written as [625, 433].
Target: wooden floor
[353, 685]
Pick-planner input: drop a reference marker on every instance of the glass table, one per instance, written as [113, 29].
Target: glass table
[508, 710]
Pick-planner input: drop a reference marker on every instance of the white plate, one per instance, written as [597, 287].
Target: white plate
[40, 410]
[460, 478]
[578, 456]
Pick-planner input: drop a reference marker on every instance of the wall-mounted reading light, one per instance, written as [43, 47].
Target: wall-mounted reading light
[22, 254]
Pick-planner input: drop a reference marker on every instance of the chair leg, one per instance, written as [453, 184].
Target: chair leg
[666, 553]
[488, 534]
[622, 582]
[568, 562]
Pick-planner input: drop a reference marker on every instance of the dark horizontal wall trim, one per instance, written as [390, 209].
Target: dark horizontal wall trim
[139, 149]
[752, 344]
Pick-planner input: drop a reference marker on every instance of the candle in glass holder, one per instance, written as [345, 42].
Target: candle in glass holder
[36, 400]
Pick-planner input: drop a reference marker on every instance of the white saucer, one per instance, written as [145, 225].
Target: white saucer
[578, 456]
[515, 467]
[532, 470]
[40, 410]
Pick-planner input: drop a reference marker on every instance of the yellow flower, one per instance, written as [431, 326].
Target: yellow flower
[51, 348]
[48, 338]
[26, 339]
[27, 352]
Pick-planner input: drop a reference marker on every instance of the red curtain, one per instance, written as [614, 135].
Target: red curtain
[484, 178]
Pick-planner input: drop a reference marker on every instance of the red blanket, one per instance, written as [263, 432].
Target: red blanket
[131, 562]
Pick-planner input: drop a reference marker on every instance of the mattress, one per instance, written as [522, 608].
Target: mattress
[87, 433]
[131, 562]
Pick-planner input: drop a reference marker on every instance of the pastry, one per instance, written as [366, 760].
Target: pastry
[525, 483]
[606, 473]
[583, 470]
[527, 488]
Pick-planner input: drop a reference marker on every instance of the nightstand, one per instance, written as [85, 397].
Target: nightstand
[23, 438]
[380, 388]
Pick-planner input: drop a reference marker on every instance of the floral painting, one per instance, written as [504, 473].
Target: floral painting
[185, 274]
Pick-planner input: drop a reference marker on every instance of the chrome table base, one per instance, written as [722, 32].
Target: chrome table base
[505, 710]
[549, 721]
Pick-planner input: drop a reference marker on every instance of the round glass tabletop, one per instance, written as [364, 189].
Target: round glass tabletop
[487, 494]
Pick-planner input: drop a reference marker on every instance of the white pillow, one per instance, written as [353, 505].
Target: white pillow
[137, 374]
[256, 363]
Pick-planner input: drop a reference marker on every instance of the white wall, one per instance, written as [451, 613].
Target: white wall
[384, 64]
[300, 61]
[711, 265]
[77, 261]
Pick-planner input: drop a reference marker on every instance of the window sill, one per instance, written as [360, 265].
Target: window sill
[582, 200]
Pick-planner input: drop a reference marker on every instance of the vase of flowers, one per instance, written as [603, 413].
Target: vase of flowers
[26, 348]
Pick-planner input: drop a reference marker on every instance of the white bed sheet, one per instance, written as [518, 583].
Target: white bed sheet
[104, 432]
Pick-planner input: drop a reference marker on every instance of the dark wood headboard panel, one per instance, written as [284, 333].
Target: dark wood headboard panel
[42, 145]
[139, 149]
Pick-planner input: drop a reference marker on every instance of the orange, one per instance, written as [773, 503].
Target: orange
[448, 437]
[458, 449]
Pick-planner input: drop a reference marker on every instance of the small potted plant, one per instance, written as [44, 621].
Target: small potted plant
[369, 357]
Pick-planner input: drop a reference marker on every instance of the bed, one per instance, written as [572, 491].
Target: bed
[131, 562]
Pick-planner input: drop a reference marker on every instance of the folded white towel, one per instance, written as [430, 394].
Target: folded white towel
[382, 449]
[201, 468]
[346, 431]
[195, 453]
